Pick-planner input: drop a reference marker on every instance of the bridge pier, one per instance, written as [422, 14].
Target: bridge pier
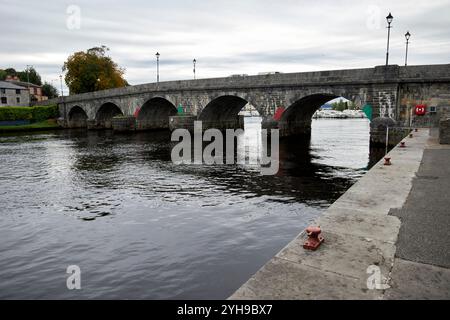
[152, 124]
[187, 122]
[295, 128]
[379, 132]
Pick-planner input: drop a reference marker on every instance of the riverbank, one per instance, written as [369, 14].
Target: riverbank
[360, 241]
[49, 124]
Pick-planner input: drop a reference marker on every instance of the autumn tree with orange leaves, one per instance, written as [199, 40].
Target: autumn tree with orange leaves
[92, 70]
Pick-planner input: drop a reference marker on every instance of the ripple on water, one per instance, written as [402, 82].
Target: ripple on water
[140, 227]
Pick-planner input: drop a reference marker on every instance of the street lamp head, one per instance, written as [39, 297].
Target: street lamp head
[407, 35]
[389, 18]
[157, 54]
[195, 61]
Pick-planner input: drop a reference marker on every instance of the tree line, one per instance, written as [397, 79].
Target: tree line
[88, 71]
[344, 105]
[32, 76]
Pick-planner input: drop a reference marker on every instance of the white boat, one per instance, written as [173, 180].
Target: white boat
[329, 114]
[334, 114]
[354, 113]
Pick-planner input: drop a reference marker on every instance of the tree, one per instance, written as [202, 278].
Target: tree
[30, 75]
[92, 70]
[49, 90]
[339, 106]
[3, 75]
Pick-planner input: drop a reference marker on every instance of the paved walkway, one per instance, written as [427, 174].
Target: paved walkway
[422, 264]
[361, 238]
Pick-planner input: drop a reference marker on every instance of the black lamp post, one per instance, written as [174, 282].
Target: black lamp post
[194, 61]
[389, 19]
[407, 36]
[28, 84]
[157, 67]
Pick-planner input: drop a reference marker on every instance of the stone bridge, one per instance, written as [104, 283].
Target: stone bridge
[391, 92]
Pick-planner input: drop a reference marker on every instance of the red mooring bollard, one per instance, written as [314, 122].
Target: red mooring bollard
[387, 161]
[402, 144]
[314, 238]
[410, 135]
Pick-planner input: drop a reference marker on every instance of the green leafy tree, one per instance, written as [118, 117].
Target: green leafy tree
[339, 106]
[49, 90]
[92, 70]
[3, 75]
[30, 75]
[11, 72]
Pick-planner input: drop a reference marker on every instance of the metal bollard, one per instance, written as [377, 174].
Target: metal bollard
[402, 144]
[387, 161]
[314, 238]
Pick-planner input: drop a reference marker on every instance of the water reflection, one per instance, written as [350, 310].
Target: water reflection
[141, 227]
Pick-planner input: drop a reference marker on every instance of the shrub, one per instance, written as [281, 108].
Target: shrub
[41, 113]
[38, 113]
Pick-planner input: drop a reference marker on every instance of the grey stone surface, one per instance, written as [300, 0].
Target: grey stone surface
[10, 97]
[359, 233]
[412, 280]
[391, 91]
[285, 280]
[444, 131]
[124, 123]
[382, 128]
[424, 234]
[342, 254]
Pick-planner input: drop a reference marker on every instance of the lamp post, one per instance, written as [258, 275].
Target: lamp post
[407, 36]
[60, 79]
[28, 84]
[389, 19]
[157, 67]
[194, 62]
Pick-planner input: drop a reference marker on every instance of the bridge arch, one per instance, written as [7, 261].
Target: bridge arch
[296, 119]
[105, 114]
[222, 112]
[155, 113]
[77, 117]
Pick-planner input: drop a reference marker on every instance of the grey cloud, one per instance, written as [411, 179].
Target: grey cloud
[224, 36]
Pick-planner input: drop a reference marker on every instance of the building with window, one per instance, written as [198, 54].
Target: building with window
[35, 90]
[13, 95]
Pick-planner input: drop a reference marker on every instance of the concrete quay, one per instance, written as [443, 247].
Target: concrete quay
[361, 232]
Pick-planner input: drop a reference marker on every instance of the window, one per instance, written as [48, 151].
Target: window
[3, 100]
[433, 109]
[3, 91]
[18, 99]
[17, 91]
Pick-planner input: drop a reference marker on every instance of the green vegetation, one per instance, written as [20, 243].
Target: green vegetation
[49, 90]
[46, 124]
[30, 74]
[92, 70]
[34, 77]
[34, 114]
[344, 105]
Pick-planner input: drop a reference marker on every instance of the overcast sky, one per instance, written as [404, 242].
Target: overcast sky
[226, 37]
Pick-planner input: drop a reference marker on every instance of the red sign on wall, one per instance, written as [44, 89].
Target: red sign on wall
[420, 109]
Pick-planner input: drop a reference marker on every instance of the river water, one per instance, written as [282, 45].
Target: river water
[139, 226]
